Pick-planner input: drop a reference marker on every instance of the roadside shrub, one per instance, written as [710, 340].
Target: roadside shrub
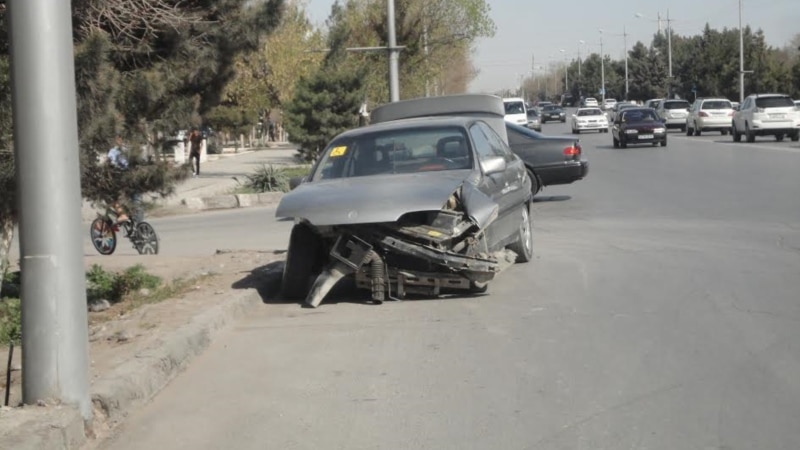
[11, 284]
[268, 178]
[101, 284]
[10, 321]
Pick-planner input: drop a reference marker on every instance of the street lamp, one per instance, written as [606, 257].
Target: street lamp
[580, 43]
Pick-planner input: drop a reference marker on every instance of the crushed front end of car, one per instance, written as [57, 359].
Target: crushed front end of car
[423, 252]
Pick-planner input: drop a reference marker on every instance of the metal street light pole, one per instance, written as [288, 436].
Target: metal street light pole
[741, 56]
[581, 42]
[625, 44]
[566, 71]
[602, 72]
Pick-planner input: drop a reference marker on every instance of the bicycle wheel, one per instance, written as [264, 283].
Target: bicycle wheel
[103, 236]
[146, 239]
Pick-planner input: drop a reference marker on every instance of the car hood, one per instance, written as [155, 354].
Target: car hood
[370, 199]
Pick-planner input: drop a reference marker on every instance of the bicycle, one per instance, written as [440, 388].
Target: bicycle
[103, 232]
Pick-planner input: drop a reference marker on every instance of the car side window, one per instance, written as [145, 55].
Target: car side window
[499, 148]
[481, 142]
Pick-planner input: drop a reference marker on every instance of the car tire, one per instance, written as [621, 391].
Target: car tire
[536, 185]
[795, 136]
[302, 262]
[523, 246]
[779, 137]
[737, 137]
[616, 142]
[664, 143]
[724, 132]
[748, 134]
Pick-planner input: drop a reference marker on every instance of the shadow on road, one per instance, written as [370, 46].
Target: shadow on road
[266, 280]
[551, 198]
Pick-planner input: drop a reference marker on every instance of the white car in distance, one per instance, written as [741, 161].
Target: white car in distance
[590, 102]
[516, 112]
[586, 119]
[709, 114]
[609, 103]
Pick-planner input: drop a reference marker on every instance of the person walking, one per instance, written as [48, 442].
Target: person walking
[195, 143]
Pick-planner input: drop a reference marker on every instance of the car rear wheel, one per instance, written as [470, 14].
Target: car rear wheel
[748, 134]
[523, 246]
[536, 186]
[664, 143]
[737, 137]
[795, 136]
[302, 262]
[779, 137]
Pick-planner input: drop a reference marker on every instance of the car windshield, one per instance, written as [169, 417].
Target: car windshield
[590, 112]
[639, 115]
[717, 104]
[773, 102]
[676, 105]
[392, 151]
[532, 113]
[552, 108]
[515, 108]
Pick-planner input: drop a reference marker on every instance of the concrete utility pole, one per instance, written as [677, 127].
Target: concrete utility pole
[394, 83]
[55, 355]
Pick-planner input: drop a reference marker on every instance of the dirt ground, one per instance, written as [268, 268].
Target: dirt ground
[120, 332]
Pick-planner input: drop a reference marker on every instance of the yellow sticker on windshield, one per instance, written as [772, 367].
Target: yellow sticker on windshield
[338, 151]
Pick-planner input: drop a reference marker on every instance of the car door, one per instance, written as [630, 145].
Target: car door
[509, 189]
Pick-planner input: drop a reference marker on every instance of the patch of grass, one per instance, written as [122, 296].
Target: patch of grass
[176, 288]
[114, 287]
[10, 321]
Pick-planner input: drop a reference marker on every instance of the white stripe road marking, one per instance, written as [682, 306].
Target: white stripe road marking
[795, 149]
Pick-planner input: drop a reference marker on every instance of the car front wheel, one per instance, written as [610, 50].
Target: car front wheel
[302, 262]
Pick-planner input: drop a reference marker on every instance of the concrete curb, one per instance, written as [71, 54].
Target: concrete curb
[232, 201]
[127, 387]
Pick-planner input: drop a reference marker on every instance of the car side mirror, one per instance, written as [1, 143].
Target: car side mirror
[495, 164]
[296, 181]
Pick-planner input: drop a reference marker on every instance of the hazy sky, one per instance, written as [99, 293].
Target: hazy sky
[537, 30]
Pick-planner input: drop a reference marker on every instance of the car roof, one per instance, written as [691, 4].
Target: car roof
[767, 95]
[416, 122]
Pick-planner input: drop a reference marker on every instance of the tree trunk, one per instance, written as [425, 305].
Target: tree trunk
[5, 246]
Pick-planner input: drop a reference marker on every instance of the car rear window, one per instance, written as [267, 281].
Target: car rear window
[590, 112]
[717, 104]
[774, 102]
[393, 151]
[676, 105]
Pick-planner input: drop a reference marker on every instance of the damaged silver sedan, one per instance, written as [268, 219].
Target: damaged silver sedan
[416, 206]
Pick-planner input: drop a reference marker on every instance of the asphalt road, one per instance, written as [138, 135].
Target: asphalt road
[661, 312]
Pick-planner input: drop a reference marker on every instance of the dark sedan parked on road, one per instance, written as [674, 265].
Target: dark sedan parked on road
[553, 113]
[638, 126]
[550, 160]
